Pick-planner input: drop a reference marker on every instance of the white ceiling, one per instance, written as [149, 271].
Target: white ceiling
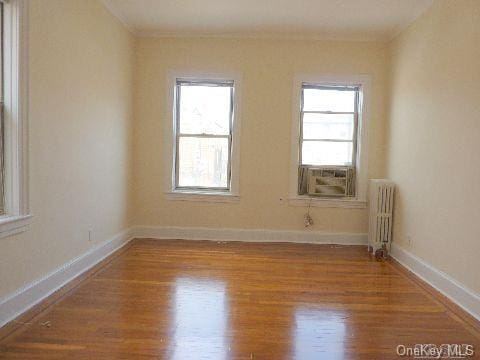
[367, 20]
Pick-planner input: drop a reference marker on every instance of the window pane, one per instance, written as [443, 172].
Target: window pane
[205, 110]
[326, 153]
[328, 100]
[328, 126]
[203, 162]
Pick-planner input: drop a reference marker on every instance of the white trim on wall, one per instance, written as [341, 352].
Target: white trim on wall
[248, 235]
[303, 201]
[143, 33]
[362, 152]
[169, 148]
[12, 225]
[26, 297]
[201, 197]
[110, 6]
[31, 294]
[17, 209]
[458, 293]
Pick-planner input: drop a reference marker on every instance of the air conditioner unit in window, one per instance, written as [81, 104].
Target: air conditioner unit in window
[331, 181]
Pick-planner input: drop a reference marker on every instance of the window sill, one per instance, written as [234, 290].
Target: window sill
[327, 202]
[203, 196]
[11, 225]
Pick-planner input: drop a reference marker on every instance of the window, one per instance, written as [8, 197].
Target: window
[14, 216]
[2, 120]
[328, 132]
[328, 157]
[328, 125]
[204, 117]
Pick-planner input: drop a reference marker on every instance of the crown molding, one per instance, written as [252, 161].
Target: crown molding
[118, 15]
[258, 36]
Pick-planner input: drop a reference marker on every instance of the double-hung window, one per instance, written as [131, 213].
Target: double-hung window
[329, 139]
[204, 117]
[329, 119]
[2, 118]
[14, 210]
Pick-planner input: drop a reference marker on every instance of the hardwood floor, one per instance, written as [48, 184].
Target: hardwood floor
[206, 300]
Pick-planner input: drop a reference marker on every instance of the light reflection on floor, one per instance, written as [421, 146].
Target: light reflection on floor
[200, 320]
[319, 333]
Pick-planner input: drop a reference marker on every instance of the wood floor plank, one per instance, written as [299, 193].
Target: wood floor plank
[174, 299]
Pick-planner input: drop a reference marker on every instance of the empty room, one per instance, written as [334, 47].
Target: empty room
[240, 179]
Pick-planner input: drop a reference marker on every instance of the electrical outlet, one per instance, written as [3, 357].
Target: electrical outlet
[409, 240]
[90, 235]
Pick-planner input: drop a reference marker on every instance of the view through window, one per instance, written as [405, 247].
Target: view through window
[328, 125]
[203, 133]
[328, 140]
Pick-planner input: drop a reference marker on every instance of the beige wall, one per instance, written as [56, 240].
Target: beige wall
[83, 157]
[267, 69]
[80, 120]
[434, 137]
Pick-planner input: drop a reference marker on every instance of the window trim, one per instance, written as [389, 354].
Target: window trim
[361, 160]
[173, 192]
[17, 218]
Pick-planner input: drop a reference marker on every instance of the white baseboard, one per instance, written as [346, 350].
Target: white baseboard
[26, 297]
[23, 299]
[467, 299]
[248, 235]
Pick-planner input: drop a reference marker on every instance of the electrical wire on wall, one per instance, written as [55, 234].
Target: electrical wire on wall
[307, 218]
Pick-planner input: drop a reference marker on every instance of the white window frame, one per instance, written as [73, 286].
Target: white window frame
[354, 113]
[173, 193]
[361, 160]
[17, 213]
